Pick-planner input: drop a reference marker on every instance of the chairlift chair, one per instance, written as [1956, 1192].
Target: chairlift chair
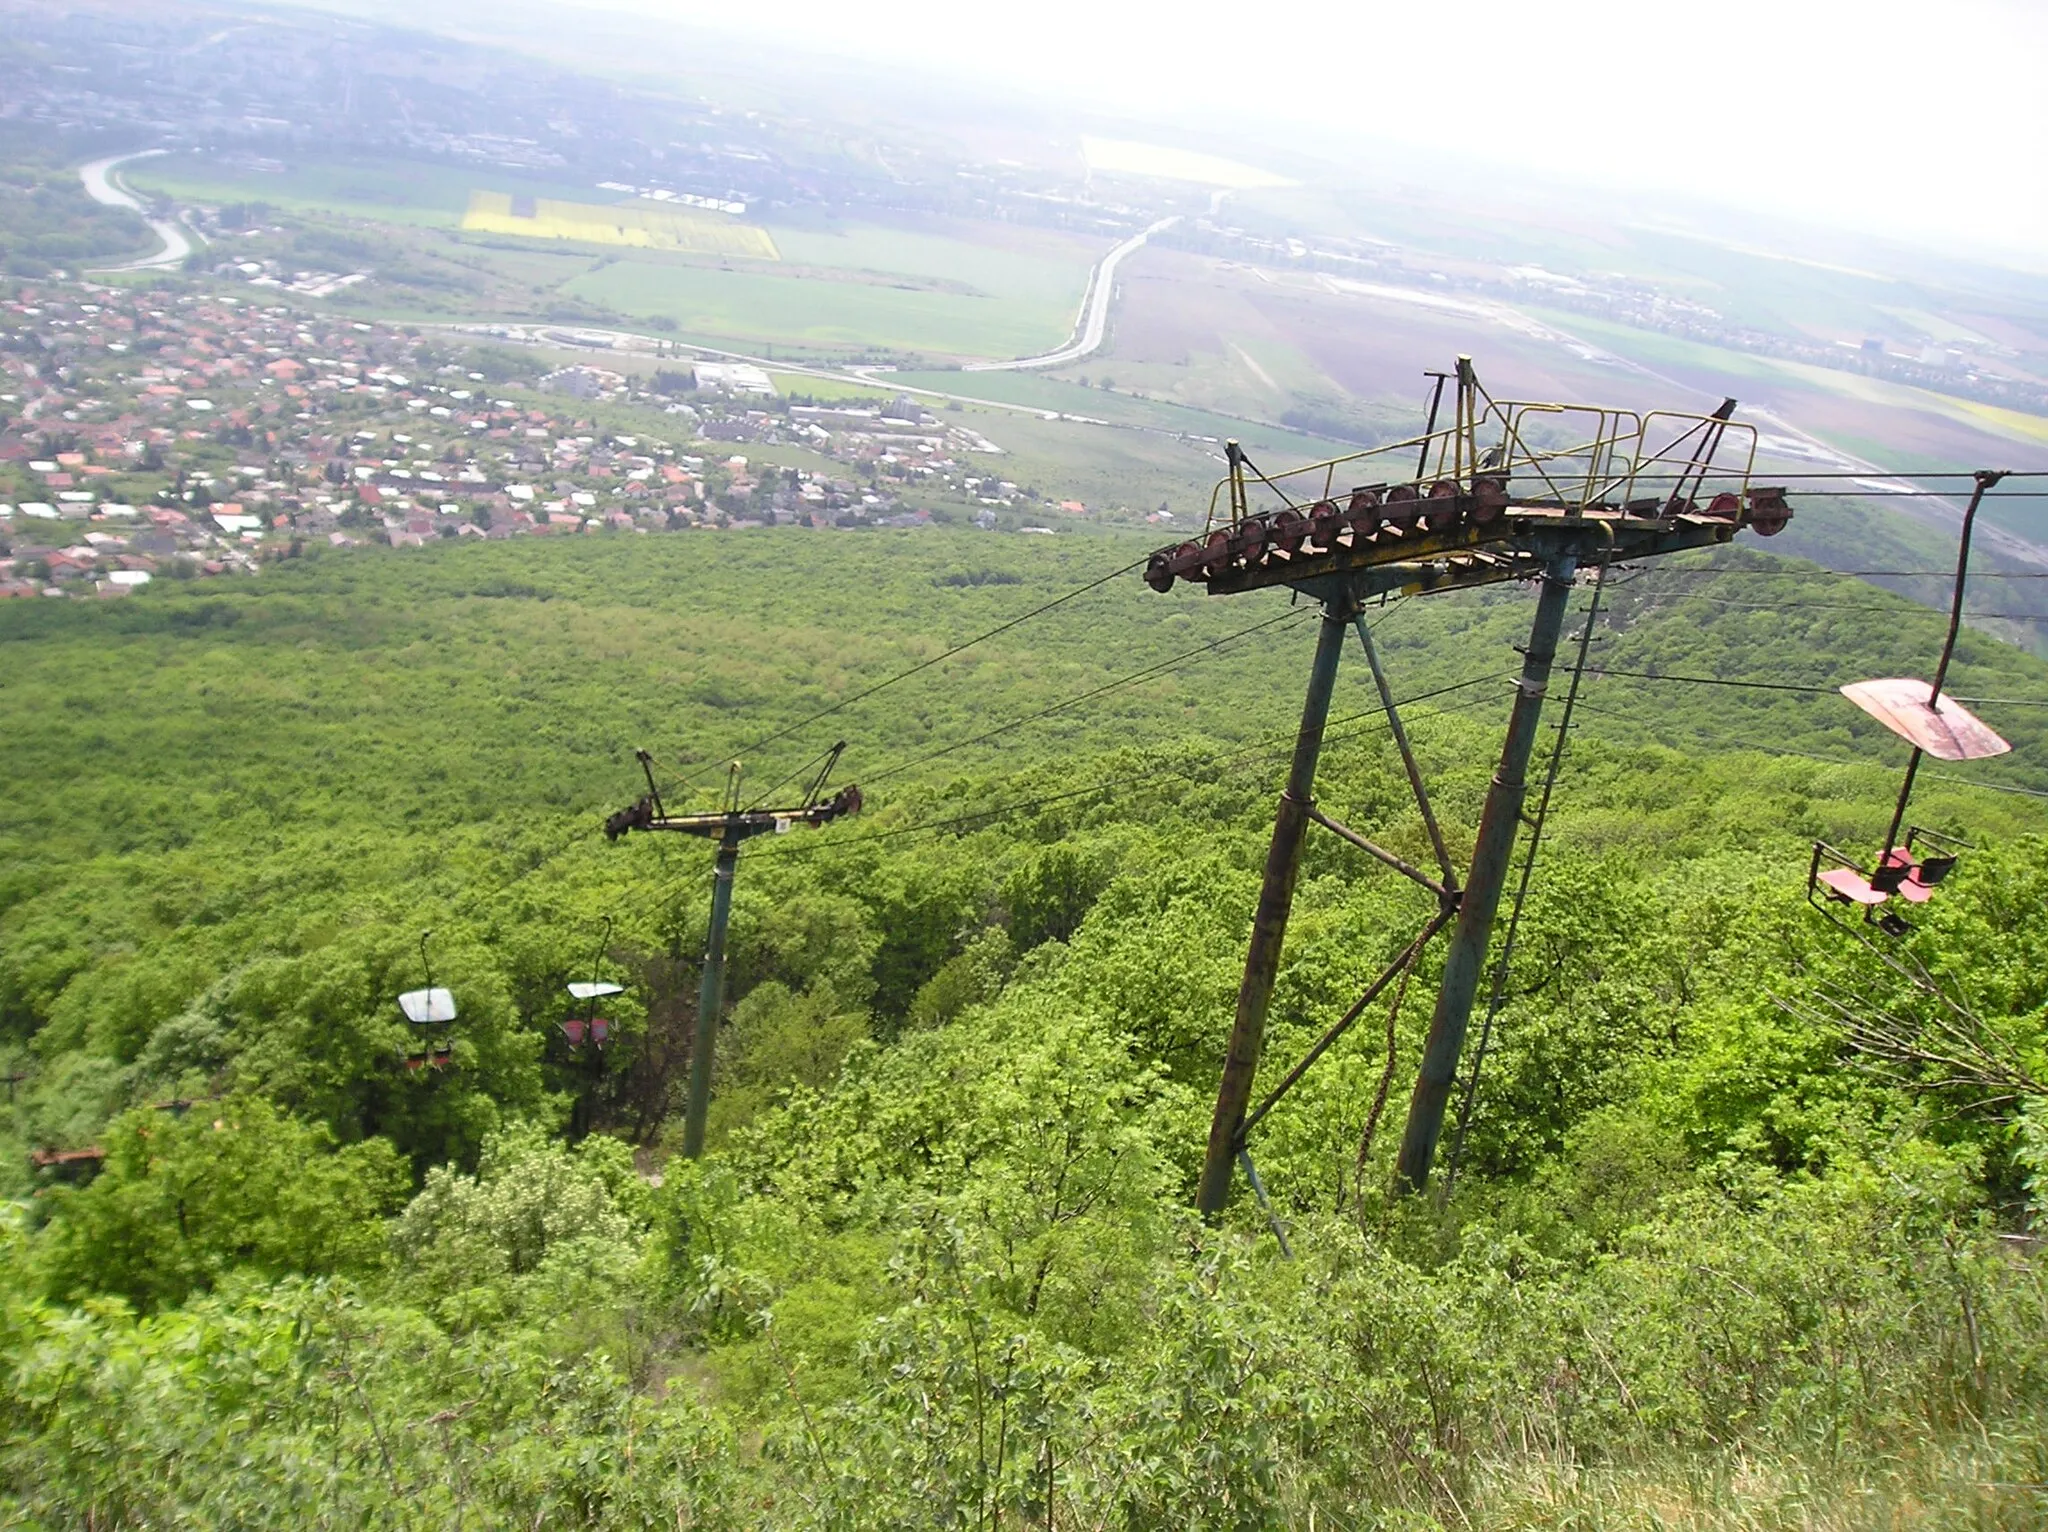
[596, 1028]
[1933, 724]
[427, 1009]
[589, 991]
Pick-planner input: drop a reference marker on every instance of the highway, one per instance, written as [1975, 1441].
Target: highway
[103, 188]
[1094, 321]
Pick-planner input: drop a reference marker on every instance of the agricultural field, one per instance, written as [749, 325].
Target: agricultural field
[1021, 265]
[391, 191]
[1790, 281]
[819, 315]
[940, 288]
[635, 223]
[1216, 325]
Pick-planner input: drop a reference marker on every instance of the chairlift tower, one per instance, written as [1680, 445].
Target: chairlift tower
[1509, 490]
[731, 826]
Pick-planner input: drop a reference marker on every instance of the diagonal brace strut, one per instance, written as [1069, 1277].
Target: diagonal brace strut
[1449, 888]
[1409, 954]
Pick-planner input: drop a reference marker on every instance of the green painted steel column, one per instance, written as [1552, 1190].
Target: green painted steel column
[710, 997]
[1269, 925]
[1491, 853]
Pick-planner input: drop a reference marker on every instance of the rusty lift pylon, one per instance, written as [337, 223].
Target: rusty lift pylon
[731, 826]
[1508, 490]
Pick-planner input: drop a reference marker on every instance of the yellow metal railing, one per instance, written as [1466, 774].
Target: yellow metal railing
[1606, 458]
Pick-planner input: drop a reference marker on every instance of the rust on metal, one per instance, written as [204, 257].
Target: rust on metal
[1944, 729]
[1499, 476]
[1507, 491]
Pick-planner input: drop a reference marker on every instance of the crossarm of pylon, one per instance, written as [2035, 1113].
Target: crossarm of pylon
[1449, 887]
[1407, 869]
[1323, 1044]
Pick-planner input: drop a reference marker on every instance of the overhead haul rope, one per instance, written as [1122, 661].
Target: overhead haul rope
[922, 665]
[1861, 475]
[1082, 590]
[1761, 748]
[1722, 571]
[1131, 678]
[1847, 606]
[1498, 997]
[1790, 686]
[1226, 764]
[1147, 672]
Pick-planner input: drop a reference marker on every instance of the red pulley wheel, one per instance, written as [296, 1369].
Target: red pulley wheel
[1325, 522]
[1489, 499]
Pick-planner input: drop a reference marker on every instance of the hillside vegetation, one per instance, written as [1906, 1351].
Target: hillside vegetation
[1706, 1263]
[46, 220]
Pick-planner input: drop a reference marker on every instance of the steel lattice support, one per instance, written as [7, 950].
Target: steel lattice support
[1232, 1122]
[1509, 491]
[1269, 924]
[731, 826]
[1491, 855]
[710, 996]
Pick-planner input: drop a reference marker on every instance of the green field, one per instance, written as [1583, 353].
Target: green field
[831, 388]
[730, 306]
[1137, 461]
[1020, 265]
[1045, 392]
[943, 288]
[383, 191]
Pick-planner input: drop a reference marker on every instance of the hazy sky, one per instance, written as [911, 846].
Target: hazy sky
[1921, 118]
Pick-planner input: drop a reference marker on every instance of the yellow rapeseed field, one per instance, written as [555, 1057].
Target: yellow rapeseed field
[651, 225]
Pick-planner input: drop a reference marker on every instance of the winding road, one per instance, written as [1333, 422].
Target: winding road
[1093, 324]
[102, 186]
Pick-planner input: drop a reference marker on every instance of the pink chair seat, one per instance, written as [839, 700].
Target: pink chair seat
[1847, 884]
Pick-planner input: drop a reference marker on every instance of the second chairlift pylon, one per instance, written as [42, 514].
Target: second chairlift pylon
[731, 826]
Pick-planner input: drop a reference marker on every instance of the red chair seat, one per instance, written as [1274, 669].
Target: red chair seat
[1849, 885]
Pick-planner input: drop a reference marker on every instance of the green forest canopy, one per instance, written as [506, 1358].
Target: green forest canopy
[938, 1271]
